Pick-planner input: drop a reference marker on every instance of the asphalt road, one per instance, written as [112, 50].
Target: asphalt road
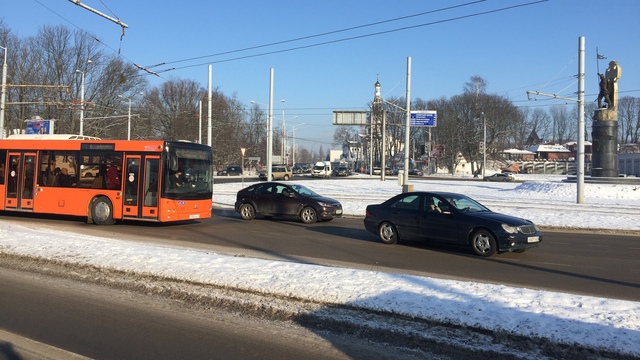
[49, 318]
[604, 265]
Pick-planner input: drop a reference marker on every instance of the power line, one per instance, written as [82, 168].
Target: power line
[354, 37]
[323, 34]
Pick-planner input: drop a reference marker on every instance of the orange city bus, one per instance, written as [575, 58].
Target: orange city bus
[106, 180]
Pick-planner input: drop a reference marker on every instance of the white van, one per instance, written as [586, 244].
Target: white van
[321, 169]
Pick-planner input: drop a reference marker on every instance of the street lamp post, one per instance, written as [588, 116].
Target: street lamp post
[284, 137]
[484, 145]
[4, 91]
[82, 99]
[81, 103]
[129, 115]
[293, 145]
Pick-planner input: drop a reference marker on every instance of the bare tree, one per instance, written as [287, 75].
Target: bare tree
[173, 109]
[628, 111]
[564, 124]
[255, 133]
[48, 68]
[540, 122]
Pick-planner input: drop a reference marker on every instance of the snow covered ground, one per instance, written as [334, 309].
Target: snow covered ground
[564, 318]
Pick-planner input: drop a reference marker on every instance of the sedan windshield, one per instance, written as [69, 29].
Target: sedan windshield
[466, 204]
[303, 190]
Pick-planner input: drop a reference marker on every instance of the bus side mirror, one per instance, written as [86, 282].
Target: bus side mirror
[173, 163]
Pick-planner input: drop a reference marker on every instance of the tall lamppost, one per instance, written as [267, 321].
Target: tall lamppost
[129, 117]
[82, 99]
[4, 91]
[284, 136]
[484, 145]
[293, 145]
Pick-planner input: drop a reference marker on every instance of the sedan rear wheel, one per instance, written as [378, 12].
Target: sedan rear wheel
[247, 212]
[388, 233]
[483, 243]
[308, 215]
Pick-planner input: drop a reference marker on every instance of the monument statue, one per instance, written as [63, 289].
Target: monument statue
[613, 73]
[604, 93]
[604, 158]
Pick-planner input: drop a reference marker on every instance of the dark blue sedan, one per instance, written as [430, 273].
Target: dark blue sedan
[450, 218]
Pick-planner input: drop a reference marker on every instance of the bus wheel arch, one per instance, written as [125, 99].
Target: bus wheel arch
[101, 211]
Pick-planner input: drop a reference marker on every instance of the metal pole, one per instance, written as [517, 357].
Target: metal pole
[383, 162]
[209, 142]
[4, 92]
[82, 104]
[371, 144]
[270, 128]
[580, 169]
[484, 145]
[429, 154]
[405, 179]
[129, 122]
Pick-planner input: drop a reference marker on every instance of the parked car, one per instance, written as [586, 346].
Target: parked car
[416, 172]
[498, 177]
[341, 170]
[278, 172]
[231, 171]
[377, 171]
[450, 218]
[277, 199]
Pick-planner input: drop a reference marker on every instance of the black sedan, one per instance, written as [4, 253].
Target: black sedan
[450, 218]
[276, 199]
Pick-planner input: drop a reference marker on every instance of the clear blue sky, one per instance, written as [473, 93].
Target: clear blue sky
[519, 48]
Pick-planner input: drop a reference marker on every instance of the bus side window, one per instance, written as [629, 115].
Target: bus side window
[3, 159]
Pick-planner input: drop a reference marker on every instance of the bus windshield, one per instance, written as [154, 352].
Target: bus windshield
[189, 173]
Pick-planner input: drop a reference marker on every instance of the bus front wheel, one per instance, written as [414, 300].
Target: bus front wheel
[102, 211]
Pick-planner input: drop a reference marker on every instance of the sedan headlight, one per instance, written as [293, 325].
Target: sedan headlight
[510, 229]
[324, 204]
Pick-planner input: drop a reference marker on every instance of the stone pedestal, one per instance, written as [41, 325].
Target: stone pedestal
[605, 144]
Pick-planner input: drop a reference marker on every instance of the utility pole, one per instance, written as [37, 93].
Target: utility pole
[4, 91]
[580, 101]
[405, 178]
[270, 128]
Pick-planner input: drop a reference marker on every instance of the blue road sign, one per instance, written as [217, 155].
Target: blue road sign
[423, 118]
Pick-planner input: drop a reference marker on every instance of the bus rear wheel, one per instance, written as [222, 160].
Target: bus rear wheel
[102, 211]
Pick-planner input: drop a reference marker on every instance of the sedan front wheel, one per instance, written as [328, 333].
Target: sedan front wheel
[308, 215]
[483, 243]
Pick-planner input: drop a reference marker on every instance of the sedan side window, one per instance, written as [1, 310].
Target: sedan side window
[410, 202]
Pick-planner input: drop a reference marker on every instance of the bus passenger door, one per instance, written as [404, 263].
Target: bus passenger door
[21, 181]
[150, 187]
[131, 187]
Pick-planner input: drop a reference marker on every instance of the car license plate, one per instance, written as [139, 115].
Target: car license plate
[194, 216]
[533, 239]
